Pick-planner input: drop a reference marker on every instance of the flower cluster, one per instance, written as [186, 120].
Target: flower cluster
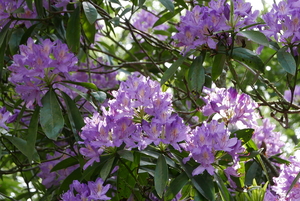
[39, 66]
[288, 173]
[283, 22]
[206, 25]
[55, 178]
[6, 117]
[205, 141]
[265, 137]
[232, 108]
[139, 115]
[91, 191]
[145, 20]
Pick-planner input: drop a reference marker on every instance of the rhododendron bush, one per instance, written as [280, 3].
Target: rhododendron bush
[149, 100]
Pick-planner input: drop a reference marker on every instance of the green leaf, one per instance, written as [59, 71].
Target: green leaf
[15, 39]
[205, 181]
[182, 3]
[172, 69]
[248, 57]
[73, 31]
[168, 4]
[161, 175]
[74, 114]
[99, 96]
[167, 17]
[22, 146]
[197, 74]
[75, 175]
[51, 117]
[176, 185]
[251, 173]
[65, 164]
[89, 29]
[87, 85]
[126, 179]
[32, 133]
[256, 36]
[244, 134]
[39, 8]
[218, 65]
[29, 4]
[4, 31]
[287, 61]
[107, 167]
[226, 196]
[90, 12]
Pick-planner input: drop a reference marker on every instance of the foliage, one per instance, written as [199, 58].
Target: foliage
[148, 100]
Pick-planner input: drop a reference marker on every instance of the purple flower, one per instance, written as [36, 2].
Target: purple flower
[38, 66]
[230, 106]
[145, 20]
[202, 25]
[93, 190]
[286, 177]
[296, 95]
[6, 117]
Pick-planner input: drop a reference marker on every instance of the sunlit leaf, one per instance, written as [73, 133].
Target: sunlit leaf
[256, 36]
[168, 4]
[90, 12]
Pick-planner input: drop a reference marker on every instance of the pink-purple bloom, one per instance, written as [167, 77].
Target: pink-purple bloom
[283, 22]
[139, 114]
[6, 117]
[38, 66]
[204, 25]
[92, 190]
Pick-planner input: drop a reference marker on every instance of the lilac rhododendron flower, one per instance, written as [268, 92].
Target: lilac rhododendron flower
[93, 190]
[206, 140]
[283, 22]
[140, 114]
[232, 107]
[38, 66]
[265, 137]
[287, 175]
[145, 20]
[203, 25]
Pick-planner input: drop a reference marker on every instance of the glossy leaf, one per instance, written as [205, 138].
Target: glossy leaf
[51, 117]
[32, 133]
[167, 17]
[256, 36]
[90, 12]
[172, 69]
[168, 4]
[21, 145]
[100, 96]
[218, 65]
[244, 134]
[73, 31]
[225, 194]
[74, 114]
[107, 168]
[161, 175]
[287, 61]
[197, 74]
[176, 185]
[87, 85]
[65, 164]
[248, 57]
[89, 29]
[15, 40]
